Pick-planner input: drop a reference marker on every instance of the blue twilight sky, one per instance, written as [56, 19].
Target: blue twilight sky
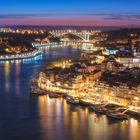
[70, 12]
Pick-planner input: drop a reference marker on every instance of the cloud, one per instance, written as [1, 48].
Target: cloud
[123, 17]
[115, 16]
[15, 16]
[43, 15]
[73, 16]
[136, 16]
[24, 16]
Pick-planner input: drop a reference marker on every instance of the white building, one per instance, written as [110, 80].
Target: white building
[129, 61]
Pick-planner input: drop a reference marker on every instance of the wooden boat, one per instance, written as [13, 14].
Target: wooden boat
[99, 109]
[72, 100]
[37, 91]
[133, 112]
[117, 115]
[54, 95]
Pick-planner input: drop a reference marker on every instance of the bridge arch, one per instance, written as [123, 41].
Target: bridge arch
[68, 33]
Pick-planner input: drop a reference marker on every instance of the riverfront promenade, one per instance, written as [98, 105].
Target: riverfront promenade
[21, 56]
[27, 55]
[92, 96]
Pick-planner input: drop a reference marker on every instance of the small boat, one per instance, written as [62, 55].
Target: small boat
[117, 115]
[133, 112]
[72, 100]
[37, 91]
[99, 109]
[85, 103]
[54, 95]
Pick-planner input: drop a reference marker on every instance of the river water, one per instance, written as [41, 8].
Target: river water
[27, 117]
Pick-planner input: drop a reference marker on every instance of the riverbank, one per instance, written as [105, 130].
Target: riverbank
[26, 116]
[26, 55]
[90, 101]
[20, 56]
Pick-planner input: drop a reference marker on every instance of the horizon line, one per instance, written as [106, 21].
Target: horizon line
[59, 25]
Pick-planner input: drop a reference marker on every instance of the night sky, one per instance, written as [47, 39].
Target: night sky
[70, 12]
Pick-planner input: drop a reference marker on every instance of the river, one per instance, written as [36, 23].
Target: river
[27, 117]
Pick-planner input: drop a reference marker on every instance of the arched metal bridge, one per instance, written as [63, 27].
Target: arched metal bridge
[85, 36]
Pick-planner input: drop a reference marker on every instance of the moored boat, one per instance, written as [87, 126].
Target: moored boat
[85, 102]
[117, 115]
[133, 112]
[72, 100]
[37, 91]
[99, 109]
[54, 95]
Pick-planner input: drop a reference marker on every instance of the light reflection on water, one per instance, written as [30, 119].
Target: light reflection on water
[17, 75]
[40, 118]
[24, 61]
[75, 122]
[7, 73]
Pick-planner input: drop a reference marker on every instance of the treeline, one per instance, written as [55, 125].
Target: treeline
[122, 33]
[15, 39]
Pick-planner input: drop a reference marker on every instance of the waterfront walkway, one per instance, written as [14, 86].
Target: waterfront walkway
[20, 56]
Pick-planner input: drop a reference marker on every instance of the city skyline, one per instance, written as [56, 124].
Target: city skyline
[79, 12]
[69, 69]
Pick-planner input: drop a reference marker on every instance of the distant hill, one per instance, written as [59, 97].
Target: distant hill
[63, 27]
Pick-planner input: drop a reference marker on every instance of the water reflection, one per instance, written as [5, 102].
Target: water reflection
[6, 75]
[65, 121]
[17, 77]
[42, 118]
[23, 61]
[134, 127]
